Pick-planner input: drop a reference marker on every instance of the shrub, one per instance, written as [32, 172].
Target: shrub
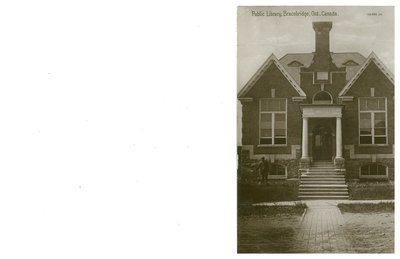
[366, 207]
[371, 190]
[252, 193]
[248, 210]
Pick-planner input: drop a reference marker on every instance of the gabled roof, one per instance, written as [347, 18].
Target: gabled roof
[306, 58]
[371, 58]
[271, 60]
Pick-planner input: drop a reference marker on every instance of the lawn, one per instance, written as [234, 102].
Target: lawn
[369, 227]
[263, 229]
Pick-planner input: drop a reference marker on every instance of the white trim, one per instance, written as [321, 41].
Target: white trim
[246, 99]
[270, 145]
[372, 112]
[298, 98]
[367, 156]
[271, 60]
[346, 98]
[322, 102]
[329, 81]
[371, 58]
[272, 123]
[321, 110]
[272, 157]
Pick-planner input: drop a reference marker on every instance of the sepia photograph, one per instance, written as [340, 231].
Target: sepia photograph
[315, 129]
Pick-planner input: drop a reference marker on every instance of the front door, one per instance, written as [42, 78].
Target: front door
[322, 143]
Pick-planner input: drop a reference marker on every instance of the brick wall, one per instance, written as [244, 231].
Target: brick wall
[371, 78]
[271, 79]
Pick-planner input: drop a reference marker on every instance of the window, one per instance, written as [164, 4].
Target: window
[277, 171]
[372, 123]
[273, 121]
[373, 171]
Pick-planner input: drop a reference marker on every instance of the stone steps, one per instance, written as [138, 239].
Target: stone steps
[326, 193]
[322, 181]
[322, 186]
[323, 197]
[336, 176]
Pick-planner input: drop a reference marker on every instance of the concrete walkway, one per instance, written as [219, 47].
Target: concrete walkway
[321, 229]
[316, 202]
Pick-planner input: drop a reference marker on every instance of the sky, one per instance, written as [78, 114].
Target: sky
[354, 29]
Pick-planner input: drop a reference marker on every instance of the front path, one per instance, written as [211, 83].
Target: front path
[321, 230]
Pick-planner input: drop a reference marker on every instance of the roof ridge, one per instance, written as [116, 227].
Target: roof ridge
[296, 53]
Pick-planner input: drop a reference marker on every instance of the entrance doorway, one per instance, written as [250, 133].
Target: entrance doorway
[322, 143]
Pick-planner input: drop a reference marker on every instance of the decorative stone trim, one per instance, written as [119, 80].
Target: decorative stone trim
[272, 157]
[298, 98]
[346, 98]
[246, 99]
[366, 156]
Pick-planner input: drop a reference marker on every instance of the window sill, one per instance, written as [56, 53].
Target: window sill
[267, 145]
[277, 177]
[373, 145]
[373, 177]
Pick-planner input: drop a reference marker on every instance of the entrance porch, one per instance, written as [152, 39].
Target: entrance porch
[322, 135]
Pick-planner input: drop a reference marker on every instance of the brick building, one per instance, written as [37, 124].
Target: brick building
[321, 107]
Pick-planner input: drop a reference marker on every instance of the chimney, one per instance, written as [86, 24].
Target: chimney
[322, 30]
[322, 58]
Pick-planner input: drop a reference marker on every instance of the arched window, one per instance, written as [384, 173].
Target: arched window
[373, 171]
[277, 171]
[322, 97]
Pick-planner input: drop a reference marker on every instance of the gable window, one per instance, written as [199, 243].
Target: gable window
[273, 121]
[373, 171]
[372, 123]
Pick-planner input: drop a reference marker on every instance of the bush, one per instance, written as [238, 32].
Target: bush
[366, 207]
[252, 193]
[248, 210]
[371, 190]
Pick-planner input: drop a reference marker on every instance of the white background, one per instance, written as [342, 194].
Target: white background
[118, 128]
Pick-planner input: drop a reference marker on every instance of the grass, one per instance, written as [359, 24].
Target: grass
[268, 234]
[371, 190]
[249, 210]
[369, 227]
[252, 193]
[367, 207]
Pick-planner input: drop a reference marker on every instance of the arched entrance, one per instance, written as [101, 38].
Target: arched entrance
[322, 143]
